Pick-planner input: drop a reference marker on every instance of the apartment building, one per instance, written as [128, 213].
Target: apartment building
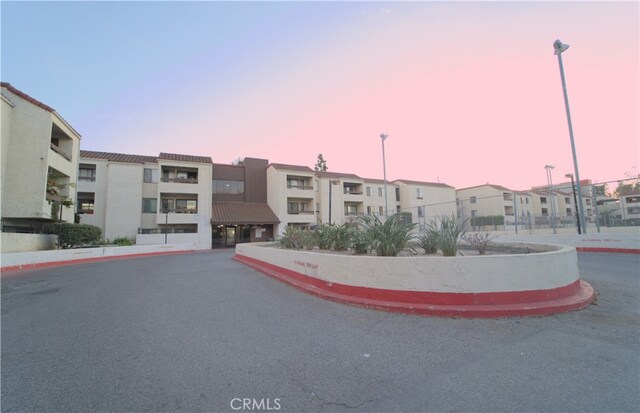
[630, 206]
[425, 200]
[564, 191]
[375, 197]
[154, 200]
[240, 212]
[40, 153]
[340, 197]
[484, 204]
[292, 195]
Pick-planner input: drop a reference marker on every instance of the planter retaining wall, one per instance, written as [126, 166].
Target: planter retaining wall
[471, 286]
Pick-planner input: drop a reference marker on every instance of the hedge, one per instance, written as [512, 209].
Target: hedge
[77, 235]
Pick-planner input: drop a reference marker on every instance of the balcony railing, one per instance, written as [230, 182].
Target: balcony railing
[299, 186]
[294, 212]
[352, 192]
[180, 180]
[59, 151]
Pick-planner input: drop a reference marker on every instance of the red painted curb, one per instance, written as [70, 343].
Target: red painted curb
[574, 296]
[36, 266]
[610, 250]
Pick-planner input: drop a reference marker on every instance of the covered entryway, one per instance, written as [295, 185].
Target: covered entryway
[237, 222]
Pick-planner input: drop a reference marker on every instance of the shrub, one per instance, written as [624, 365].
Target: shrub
[295, 237]
[448, 234]
[77, 235]
[341, 237]
[479, 240]
[359, 241]
[123, 241]
[428, 241]
[323, 236]
[389, 238]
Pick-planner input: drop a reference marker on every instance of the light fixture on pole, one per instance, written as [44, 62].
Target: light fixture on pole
[383, 137]
[575, 201]
[551, 200]
[559, 48]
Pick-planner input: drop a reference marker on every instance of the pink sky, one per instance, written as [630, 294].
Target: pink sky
[468, 93]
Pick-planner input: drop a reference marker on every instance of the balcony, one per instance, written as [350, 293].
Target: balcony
[178, 175]
[59, 151]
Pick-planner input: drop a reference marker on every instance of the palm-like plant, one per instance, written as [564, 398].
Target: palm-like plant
[448, 234]
[388, 239]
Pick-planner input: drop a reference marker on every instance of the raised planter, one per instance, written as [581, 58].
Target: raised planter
[471, 286]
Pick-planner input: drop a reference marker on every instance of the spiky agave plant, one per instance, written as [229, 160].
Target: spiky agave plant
[449, 234]
[388, 239]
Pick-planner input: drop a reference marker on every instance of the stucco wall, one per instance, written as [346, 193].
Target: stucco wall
[521, 272]
[124, 205]
[13, 242]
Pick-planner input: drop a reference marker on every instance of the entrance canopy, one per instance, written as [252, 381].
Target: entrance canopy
[228, 213]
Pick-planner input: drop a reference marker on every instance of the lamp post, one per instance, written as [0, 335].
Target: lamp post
[575, 200]
[559, 48]
[383, 137]
[551, 200]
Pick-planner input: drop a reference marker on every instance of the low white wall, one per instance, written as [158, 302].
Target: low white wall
[39, 257]
[629, 240]
[13, 242]
[157, 239]
[469, 274]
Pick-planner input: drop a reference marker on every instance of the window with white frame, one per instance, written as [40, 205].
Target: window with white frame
[418, 193]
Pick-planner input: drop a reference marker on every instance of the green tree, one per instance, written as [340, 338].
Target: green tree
[321, 164]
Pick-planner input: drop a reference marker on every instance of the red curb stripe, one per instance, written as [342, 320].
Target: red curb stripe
[610, 250]
[49, 264]
[574, 296]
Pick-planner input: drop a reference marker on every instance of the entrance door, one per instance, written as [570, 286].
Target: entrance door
[230, 239]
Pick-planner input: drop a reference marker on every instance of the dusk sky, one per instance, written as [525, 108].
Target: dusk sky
[468, 93]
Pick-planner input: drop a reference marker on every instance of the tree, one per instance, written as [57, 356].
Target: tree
[321, 164]
[632, 183]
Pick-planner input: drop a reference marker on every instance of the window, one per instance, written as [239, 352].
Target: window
[189, 206]
[588, 201]
[292, 207]
[86, 202]
[418, 193]
[381, 211]
[370, 210]
[543, 199]
[545, 211]
[569, 212]
[420, 211]
[87, 173]
[167, 205]
[149, 205]
[351, 209]
[379, 191]
[472, 200]
[526, 200]
[633, 210]
[398, 209]
[567, 200]
[368, 191]
[151, 175]
[632, 199]
[221, 186]
[474, 212]
[398, 194]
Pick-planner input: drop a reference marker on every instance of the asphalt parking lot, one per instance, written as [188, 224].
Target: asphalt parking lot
[201, 332]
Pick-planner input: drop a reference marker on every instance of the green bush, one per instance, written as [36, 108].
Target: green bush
[341, 237]
[123, 242]
[295, 237]
[388, 239]
[323, 236]
[77, 235]
[448, 234]
[428, 241]
[359, 241]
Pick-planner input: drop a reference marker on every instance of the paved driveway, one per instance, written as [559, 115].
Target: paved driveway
[194, 332]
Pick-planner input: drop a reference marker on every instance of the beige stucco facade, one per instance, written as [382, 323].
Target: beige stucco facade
[291, 195]
[36, 141]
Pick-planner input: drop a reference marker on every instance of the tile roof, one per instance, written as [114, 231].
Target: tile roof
[406, 181]
[26, 97]
[498, 187]
[37, 103]
[184, 158]
[242, 213]
[375, 181]
[118, 157]
[337, 175]
[291, 167]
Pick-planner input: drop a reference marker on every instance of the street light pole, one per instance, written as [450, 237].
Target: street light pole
[560, 47]
[551, 200]
[383, 137]
[575, 201]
